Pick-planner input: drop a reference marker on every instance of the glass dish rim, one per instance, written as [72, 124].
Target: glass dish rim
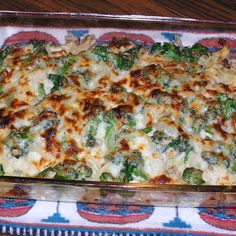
[114, 185]
[187, 188]
[101, 16]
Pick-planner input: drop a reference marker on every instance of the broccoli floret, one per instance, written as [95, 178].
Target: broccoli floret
[125, 60]
[67, 61]
[147, 129]
[41, 90]
[129, 171]
[121, 61]
[227, 106]
[158, 136]
[18, 142]
[39, 46]
[156, 48]
[198, 50]
[192, 54]
[102, 52]
[58, 81]
[193, 176]
[45, 172]
[4, 53]
[110, 119]
[167, 49]
[133, 165]
[233, 167]
[91, 140]
[171, 51]
[174, 53]
[181, 144]
[213, 158]
[68, 172]
[2, 172]
[131, 122]
[116, 157]
[83, 172]
[92, 132]
[106, 177]
[65, 172]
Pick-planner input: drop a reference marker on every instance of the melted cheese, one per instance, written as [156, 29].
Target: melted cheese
[56, 106]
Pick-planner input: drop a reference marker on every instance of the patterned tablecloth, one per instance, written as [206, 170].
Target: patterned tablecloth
[31, 217]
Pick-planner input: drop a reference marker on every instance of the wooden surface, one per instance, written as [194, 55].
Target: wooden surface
[199, 9]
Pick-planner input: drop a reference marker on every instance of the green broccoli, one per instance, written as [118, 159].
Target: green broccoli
[193, 176]
[2, 172]
[58, 81]
[4, 53]
[102, 52]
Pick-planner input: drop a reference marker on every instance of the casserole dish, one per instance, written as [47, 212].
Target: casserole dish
[19, 27]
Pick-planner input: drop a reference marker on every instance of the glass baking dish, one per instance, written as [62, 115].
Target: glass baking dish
[22, 26]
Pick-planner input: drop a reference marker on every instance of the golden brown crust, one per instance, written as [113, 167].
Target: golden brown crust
[154, 115]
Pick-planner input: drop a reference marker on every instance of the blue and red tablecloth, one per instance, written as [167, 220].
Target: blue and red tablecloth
[31, 217]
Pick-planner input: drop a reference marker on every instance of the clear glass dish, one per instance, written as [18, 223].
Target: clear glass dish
[12, 25]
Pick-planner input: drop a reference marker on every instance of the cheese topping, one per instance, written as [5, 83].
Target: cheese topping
[118, 112]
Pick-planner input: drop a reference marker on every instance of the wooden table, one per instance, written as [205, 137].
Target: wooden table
[224, 10]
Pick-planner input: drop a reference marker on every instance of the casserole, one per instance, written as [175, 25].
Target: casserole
[72, 23]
